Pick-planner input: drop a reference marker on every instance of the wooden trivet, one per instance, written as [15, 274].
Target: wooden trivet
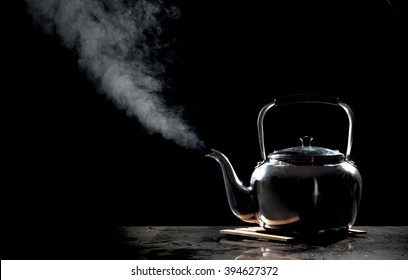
[260, 233]
[255, 233]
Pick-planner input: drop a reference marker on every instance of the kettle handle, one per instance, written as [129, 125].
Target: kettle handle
[296, 99]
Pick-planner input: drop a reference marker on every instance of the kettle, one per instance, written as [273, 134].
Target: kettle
[297, 189]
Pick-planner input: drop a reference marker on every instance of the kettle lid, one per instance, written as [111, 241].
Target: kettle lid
[307, 154]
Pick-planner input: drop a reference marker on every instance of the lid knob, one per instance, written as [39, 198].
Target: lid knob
[306, 141]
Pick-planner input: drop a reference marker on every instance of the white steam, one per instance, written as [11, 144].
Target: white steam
[115, 41]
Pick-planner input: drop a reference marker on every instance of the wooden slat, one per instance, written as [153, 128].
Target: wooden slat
[255, 232]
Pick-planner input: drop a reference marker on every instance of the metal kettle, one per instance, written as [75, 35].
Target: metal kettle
[301, 189]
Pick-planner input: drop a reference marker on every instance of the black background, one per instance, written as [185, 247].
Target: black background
[74, 165]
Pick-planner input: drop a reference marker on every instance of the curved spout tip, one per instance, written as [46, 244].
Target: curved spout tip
[215, 154]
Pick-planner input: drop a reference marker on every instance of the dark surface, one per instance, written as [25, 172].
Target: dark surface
[206, 242]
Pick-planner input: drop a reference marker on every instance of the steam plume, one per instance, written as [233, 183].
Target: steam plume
[115, 41]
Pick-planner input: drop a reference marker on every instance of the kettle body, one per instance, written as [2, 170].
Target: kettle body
[306, 198]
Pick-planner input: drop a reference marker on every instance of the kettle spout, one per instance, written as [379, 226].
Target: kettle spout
[240, 198]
